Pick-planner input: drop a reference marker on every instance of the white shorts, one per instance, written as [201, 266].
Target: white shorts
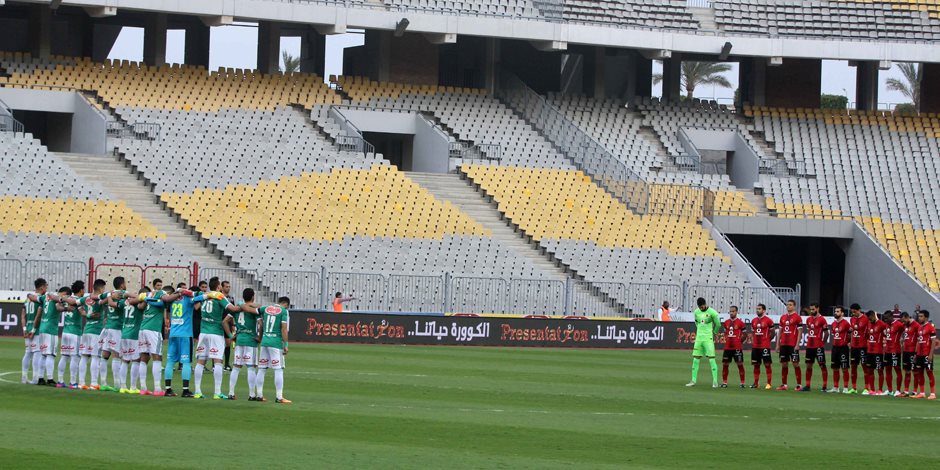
[270, 358]
[151, 342]
[246, 355]
[111, 341]
[130, 350]
[47, 344]
[69, 345]
[210, 346]
[90, 345]
[31, 344]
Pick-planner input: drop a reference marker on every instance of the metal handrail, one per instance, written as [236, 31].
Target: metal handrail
[356, 142]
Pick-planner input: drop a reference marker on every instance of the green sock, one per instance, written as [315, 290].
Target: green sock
[694, 369]
[711, 362]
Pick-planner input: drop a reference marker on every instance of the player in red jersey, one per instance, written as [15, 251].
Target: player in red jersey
[841, 332]
[892, 358]
[762, 332]
[859, 344]
[874, 354]
[791, 331]
[816, 328]
[735, 336]
[924, 360]
[911, 329]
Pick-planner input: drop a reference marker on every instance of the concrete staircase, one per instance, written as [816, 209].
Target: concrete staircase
[758, 202]
[459, 192]
[119, 180]
[705, 18]
[669, 162]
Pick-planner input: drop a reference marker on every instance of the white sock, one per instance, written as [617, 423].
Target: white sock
[233, 380]
[157, 371]
[252, 372]
[27, 358]
[259, 382]
[82, 370]
[73, 369]
[217, 378]
[279, 383]
[95, 365]
[61, 375]
[197, 378]
[142, 374]
[37, 368]
[50, 366]
[116, 372]
[103, 371]
[135, 373]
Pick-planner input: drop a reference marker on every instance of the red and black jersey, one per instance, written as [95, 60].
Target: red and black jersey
[733, 333]
[760, 328]
[815, 326]
[876, 337]
[925, 337]
[859, 331]
[789, 327]
[910, 336]
[893, 337]
[841, 332]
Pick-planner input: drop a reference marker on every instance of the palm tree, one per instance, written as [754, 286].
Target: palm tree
[696, 73]
[291, 63]
[909, 86]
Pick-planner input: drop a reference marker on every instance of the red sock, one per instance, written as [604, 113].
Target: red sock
[868, 379]
[845, 377]
[799, 373]
[888, 372]
[724, 373]
[907, 381]
[784, 373]
[809, 375]
[835, 378]
[825, 379]
[854, 375]
[741, 372]
[756, 373]
[881, 379]
[770, 372]
[919, 381]
[897, 373]
[933, 385]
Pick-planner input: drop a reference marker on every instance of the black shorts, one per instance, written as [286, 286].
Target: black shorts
[840, 357]
[873, 361]
[733, 354]
[817, 355]
[858, 355]
[923, 362]
[789, 353]
[892, 360]
[908, 360]
[759, 355]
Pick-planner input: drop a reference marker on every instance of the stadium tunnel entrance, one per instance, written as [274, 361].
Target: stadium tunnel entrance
[412, 141]
[396, 148]
[54, 130]
[816, 264]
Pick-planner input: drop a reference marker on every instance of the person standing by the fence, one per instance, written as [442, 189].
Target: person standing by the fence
[664, 312]
[339, 300]
[707, 324]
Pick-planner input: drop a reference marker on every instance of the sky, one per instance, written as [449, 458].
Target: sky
[236, 46]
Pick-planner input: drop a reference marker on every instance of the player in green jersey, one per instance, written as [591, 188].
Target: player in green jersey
[46, 325]
[274, 327]
[151, 341]
[212, 334]
[247, 338]
[90, 346]
[707, 324]
[71, 337]
[32, 306]
[130, 337]
[111, 334]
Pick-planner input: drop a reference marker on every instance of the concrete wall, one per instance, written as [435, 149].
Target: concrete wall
[796, 83]
[743, 164]
[87, 125]
[872, 277]
[413, 60]
[740, 263]
[390, 122]
[430, 150]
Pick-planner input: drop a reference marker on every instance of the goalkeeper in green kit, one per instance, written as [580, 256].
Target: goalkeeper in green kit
[706, 324]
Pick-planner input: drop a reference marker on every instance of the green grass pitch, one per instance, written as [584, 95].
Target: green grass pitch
[433, 407]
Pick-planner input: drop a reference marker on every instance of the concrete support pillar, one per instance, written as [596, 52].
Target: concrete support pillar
[796, 83]
[813, 276]
[672, 78]
[40, 31]
[866, 85]
[155, 39]
[196, 47]
[752, 81]
[269, 44]
[312, 52]
[641, 76]
[600, 72]
[930, 89]
[490, 59]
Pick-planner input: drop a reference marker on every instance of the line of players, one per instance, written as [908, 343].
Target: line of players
[129, 329]
[881, 344]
